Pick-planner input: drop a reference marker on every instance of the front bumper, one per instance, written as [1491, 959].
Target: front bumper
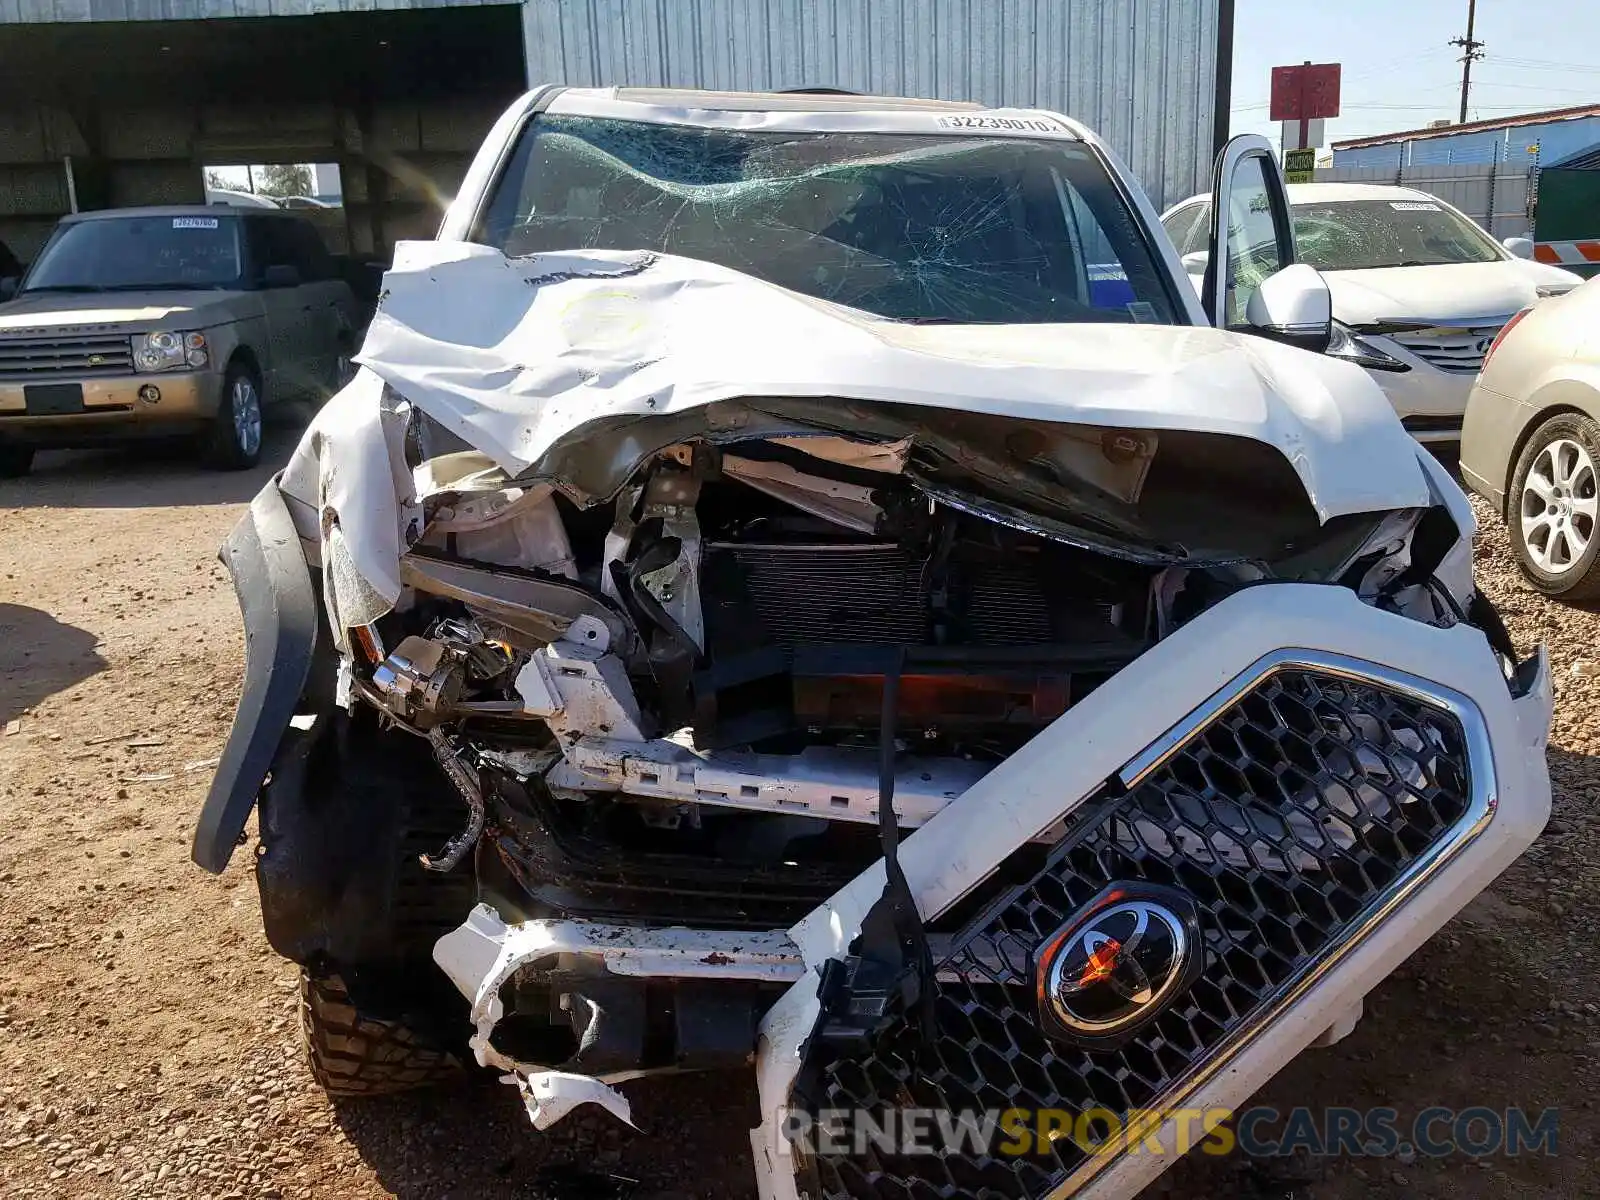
[1429, 402]
[113, 410]
[968, 856]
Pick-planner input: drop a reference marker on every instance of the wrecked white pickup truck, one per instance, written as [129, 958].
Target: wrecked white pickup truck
[801, 584]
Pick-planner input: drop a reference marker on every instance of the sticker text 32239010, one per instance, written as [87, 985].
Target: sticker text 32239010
[1004, 124]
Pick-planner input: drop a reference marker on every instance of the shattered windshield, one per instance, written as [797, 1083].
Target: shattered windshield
[921, 228]
[1354, 235]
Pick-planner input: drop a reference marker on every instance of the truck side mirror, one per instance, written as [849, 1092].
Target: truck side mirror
[1520, 247]
[1293, 306]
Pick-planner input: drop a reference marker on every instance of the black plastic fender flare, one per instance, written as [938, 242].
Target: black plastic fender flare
[278, 600]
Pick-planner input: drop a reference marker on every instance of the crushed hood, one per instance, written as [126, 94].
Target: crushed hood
[519, 356]
[543, 361]
[1452, 292]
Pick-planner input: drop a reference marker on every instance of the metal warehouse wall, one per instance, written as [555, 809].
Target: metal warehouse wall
[1555, 140]
[44, 11]
[1141, 73]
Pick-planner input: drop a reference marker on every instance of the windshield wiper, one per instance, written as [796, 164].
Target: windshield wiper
[62, 287]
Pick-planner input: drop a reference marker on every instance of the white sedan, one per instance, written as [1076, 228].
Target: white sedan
[1419, 290]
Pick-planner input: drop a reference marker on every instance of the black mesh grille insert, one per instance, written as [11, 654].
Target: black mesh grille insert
[1285, 819]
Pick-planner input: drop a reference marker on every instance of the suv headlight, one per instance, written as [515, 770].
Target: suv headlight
[1346, 345]
[168, 351]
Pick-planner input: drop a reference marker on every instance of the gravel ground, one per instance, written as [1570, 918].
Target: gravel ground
[148, 1043]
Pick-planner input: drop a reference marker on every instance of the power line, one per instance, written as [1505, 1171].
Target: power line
[1544, 64]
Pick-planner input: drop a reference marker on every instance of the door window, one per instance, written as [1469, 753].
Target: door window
[310, 256]
[268, 246]
[1180, 225]
[1250, 232]
[1254, 249]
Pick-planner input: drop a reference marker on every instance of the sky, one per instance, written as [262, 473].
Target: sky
[1400, 71]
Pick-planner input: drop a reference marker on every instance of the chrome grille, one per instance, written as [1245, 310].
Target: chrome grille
[1289, 818]
[1458, 349]
[76, 351]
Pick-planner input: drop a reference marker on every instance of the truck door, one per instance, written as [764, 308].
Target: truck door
[1252, 232]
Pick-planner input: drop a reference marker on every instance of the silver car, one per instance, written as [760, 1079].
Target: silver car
[1532, 438]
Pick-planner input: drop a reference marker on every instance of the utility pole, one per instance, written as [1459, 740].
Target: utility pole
[1471, 52]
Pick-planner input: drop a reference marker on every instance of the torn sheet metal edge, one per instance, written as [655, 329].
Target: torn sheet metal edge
[481, 954]
[821, 781]
[967, 842]
[847, 504]
[550, 1095]
[483, 949]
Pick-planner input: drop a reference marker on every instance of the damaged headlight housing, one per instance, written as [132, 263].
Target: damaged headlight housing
[169, 351]
[1346, 345]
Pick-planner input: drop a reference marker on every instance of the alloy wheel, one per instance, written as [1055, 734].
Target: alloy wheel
[246, 407]
[1559, 506]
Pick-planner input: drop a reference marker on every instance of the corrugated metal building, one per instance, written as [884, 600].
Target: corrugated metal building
[1538, 138]
[116, 102]
[1141, 73]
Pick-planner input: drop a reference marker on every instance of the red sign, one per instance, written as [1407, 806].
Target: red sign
[1305, 93]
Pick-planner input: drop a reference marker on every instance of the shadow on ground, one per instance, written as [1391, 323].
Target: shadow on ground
[150, 474]
[40, 656]
[692, 1141]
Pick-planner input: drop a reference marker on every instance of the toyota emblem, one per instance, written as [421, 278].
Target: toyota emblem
[1118, 964]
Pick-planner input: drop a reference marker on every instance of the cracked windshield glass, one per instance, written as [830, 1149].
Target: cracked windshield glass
[1352, 235]
[937, 229]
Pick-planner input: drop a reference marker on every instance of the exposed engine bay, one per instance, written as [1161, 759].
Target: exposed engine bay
[685, 684]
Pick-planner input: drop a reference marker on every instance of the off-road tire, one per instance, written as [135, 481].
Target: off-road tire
[15, 461]
[1581, 582]
[352, 1054]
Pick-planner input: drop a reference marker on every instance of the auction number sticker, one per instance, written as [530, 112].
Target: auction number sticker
[1003, 124]
[194, 223]
[1413, 206]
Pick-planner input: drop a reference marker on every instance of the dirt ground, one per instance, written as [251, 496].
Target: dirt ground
[148, 1038]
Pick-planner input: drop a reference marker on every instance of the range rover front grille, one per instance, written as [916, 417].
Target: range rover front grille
[1290, 817]
[40, 354]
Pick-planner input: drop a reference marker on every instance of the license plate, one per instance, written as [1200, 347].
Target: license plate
[52, 399]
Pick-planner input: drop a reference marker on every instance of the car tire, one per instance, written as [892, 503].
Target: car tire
[1553, 508]
[15, 461]
[233, 442]
[354, 1054]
